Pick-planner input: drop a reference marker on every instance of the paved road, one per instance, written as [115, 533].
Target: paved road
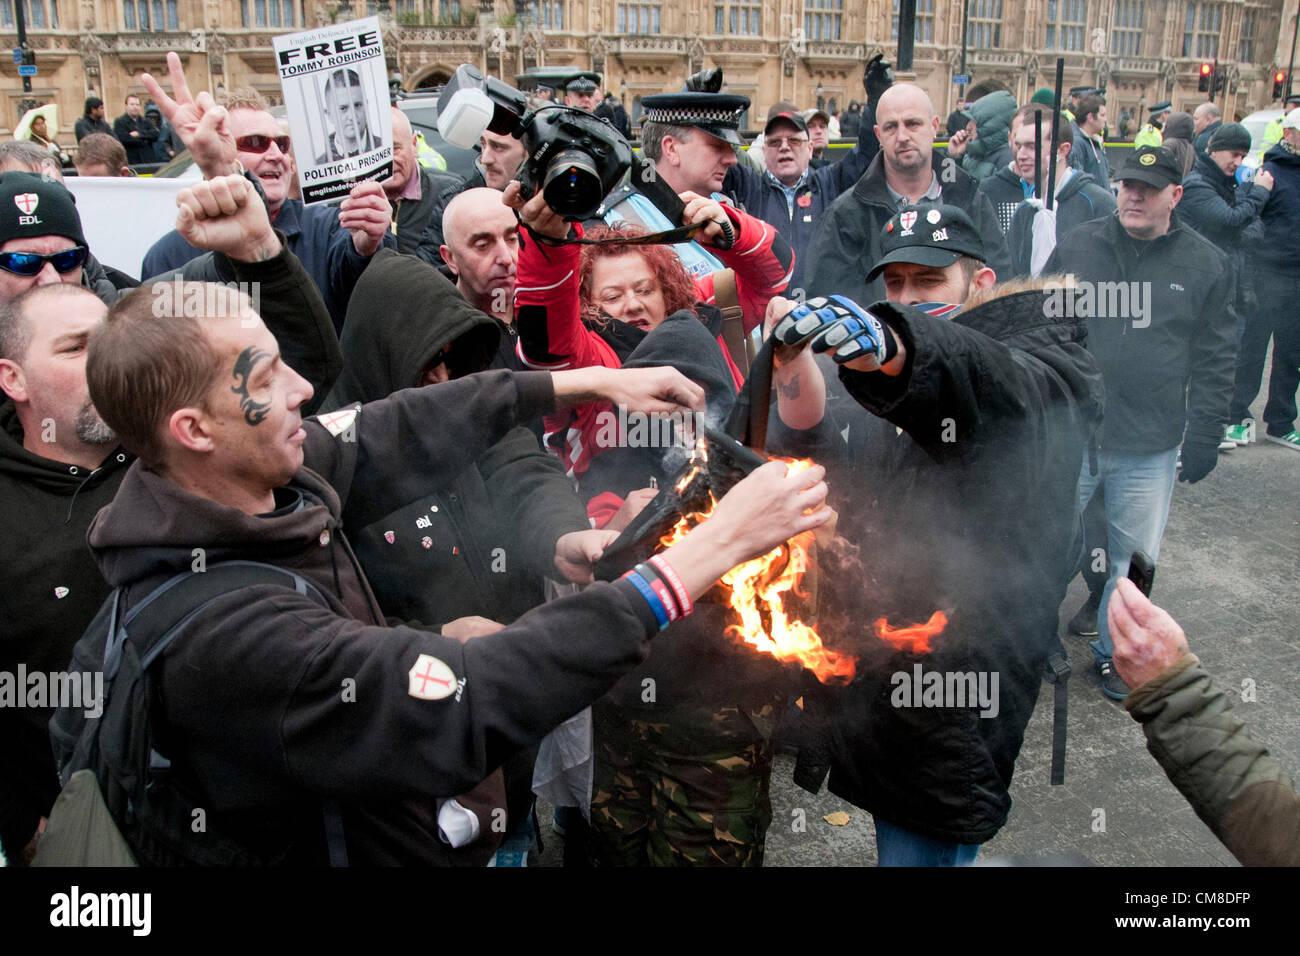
[1228, 572]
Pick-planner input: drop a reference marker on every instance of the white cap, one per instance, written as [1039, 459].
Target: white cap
[1291, 120]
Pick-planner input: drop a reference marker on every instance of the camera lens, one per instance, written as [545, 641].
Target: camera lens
[571, 185]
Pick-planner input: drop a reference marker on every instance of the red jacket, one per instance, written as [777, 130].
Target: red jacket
[548, 281]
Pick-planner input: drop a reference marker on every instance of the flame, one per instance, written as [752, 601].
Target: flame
[913, 637]
[757, 593]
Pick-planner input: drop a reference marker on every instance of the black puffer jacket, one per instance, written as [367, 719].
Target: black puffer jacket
[848, 243]
[1224, 212]
[479, 543]
[966, 505]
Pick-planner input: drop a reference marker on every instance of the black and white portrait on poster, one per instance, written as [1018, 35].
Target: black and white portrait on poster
[335, 87]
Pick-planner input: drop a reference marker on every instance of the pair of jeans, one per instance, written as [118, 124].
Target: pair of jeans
[1137, 489]
[1278, 317]
[899, 846]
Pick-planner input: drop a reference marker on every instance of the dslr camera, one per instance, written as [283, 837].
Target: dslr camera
[573, 158]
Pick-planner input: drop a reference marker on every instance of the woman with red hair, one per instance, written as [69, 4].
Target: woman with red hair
[578, 306]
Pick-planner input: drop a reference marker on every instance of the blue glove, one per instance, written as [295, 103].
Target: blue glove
[837, 325]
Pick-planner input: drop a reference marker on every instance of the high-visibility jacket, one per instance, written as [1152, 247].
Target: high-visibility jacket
[1148, 135]
[427, 155]
[1272, 135]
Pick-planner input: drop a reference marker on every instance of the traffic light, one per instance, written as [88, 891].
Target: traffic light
[1203, 85]
[1279, 81]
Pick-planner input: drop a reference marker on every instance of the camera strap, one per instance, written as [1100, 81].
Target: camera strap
[666, 237]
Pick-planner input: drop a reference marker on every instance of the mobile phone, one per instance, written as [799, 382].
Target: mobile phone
[1142, 571]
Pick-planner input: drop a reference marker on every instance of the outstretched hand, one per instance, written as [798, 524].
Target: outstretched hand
[1147, 640]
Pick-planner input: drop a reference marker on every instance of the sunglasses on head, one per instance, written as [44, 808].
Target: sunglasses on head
[31, 263]
[257, 143]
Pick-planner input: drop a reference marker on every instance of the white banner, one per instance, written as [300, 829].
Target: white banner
[335, 87]
[123, 216]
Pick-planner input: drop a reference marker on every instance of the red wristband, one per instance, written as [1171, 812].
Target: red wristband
[679, 590]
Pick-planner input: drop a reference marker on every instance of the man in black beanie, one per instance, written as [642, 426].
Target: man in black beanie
[40, 234]
[93, 121]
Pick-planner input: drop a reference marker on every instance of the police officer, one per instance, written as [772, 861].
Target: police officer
[582, 90]
[1151, 132]
[691, 137]
[1273, 131]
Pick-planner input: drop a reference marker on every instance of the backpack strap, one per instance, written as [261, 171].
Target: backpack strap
[727, 298]
[157, 620]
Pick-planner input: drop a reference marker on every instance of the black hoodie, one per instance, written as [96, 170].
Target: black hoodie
[271, 701]
[479, 543]
[53, 587]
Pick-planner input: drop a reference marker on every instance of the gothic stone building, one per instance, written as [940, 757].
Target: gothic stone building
[1143, 51]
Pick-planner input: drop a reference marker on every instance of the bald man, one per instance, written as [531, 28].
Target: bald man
[412, 193]
[1206, 119]
[482, 253]
[907, 170]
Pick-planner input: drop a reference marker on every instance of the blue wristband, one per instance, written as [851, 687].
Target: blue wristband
[647, 592]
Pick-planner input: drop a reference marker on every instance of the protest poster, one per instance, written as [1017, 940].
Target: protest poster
[335, 87]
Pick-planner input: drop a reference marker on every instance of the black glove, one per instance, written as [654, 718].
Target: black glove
[1199, 458]
[705, 81]
[877, 78]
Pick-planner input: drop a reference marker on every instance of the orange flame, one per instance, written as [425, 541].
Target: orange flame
[758, 589]
[914, 637]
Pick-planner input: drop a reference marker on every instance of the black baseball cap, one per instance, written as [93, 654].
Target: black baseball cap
[928, 235]
[792, 117]
[1153, 165]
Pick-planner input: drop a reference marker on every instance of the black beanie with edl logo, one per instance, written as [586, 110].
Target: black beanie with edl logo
[33, 206]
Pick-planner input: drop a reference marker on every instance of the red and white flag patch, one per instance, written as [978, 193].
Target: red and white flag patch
[336, 423]
[430, 679]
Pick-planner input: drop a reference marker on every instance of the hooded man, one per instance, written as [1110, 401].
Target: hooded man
[468, 555]
[976, 406]
[988, 151]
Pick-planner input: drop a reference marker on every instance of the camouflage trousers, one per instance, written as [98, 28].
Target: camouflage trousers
[684, 786]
